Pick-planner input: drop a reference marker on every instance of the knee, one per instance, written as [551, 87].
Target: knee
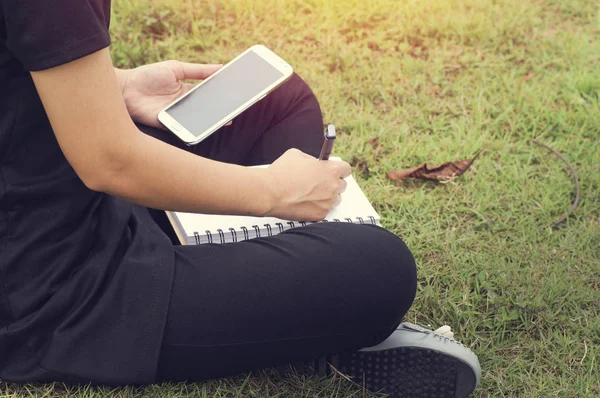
[395, 260]
[387, 259]
[296, 87]
[397, 281]
[295, 93]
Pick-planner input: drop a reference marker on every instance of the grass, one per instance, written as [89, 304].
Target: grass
[436, 80]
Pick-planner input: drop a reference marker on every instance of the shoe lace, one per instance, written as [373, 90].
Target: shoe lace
[444, 332]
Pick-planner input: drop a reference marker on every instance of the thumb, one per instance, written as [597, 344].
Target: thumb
[187, 87]
[191, 71]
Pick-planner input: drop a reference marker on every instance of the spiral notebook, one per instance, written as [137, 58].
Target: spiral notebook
[196, 229]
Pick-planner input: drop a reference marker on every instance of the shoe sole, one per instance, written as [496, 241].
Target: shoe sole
[409, 372]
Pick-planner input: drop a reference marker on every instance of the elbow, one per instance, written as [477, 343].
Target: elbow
[105, 174]
[95, 182]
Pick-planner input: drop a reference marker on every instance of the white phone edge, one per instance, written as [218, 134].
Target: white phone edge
[186, 136]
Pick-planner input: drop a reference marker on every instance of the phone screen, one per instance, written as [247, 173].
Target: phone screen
[223, 94]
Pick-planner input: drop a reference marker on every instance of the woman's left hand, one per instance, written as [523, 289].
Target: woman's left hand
[150, 88]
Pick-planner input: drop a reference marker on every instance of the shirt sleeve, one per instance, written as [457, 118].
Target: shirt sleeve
[42, 34]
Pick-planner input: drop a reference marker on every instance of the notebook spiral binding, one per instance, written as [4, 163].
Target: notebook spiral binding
[279, 227]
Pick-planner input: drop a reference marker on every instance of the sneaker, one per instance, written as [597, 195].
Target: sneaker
[414, 362]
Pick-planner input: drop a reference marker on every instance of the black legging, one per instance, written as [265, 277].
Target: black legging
[311, 291]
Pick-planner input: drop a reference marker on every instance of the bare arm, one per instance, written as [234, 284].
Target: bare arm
[121, 77]
[84, 104]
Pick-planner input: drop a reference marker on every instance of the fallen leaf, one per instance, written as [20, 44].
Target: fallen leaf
[374, 142]
[454, 66]
[360, 165]
[447, 171]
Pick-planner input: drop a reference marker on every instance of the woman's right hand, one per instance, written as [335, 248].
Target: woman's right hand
[303, 188]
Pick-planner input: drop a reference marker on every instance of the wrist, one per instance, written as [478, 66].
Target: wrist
[264, 189]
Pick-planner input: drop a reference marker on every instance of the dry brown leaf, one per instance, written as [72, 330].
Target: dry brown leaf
[374, 142]
[360, 165]
[445, 172]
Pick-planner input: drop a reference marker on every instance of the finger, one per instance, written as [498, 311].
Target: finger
[186, 70]
[187, 87]
[343, 168]
[342, 186]
[337, 200]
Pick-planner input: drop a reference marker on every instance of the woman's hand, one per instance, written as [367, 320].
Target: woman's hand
[304, 188]
[149, 88]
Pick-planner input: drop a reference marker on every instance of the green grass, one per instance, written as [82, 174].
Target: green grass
[436, 80]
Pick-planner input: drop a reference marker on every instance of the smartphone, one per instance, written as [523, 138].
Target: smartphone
[225, 94]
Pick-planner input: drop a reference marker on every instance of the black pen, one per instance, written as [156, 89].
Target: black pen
[328, 143]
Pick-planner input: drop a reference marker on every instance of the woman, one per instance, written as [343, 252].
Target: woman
[92, 288]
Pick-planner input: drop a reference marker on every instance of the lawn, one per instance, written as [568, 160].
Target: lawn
[434, 81]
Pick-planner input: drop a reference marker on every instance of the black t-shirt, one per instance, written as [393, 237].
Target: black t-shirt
[85, 277]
